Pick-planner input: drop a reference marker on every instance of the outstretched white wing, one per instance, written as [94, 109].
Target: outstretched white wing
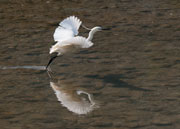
[80, 41]
[72, 23]
[67, 29]
[70, 45]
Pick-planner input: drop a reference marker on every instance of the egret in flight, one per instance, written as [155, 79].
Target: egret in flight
[67, 39]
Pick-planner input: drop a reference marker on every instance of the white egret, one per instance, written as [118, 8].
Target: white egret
[67, 39]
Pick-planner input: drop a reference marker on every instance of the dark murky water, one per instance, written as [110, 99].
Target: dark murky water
[129, 79]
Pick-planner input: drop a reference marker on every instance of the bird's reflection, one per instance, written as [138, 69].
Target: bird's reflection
[74, 98]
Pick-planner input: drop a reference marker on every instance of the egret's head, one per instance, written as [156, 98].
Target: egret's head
[97, 28]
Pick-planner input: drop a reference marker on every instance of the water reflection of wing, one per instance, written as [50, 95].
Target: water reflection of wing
[77, 101]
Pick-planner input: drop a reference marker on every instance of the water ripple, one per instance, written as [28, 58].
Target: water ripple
[23, 67]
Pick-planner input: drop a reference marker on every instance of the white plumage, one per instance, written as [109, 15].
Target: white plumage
[71, 98]
[66, 37]
[72, 23]
[67, 29]
[70, 44]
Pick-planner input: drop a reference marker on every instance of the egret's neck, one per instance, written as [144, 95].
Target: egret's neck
[91, 33]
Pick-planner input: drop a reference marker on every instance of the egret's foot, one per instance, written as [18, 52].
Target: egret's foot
[49, 69]
[49, 74]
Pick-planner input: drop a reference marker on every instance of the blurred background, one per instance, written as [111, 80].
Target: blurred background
[132, 72]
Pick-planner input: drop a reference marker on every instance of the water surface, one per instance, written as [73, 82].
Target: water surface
[129, 79]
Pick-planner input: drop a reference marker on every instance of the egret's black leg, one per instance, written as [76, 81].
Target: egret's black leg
[50, 61]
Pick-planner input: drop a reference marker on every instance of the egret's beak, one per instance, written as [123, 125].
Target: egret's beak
[105, 29]
[53, 56]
